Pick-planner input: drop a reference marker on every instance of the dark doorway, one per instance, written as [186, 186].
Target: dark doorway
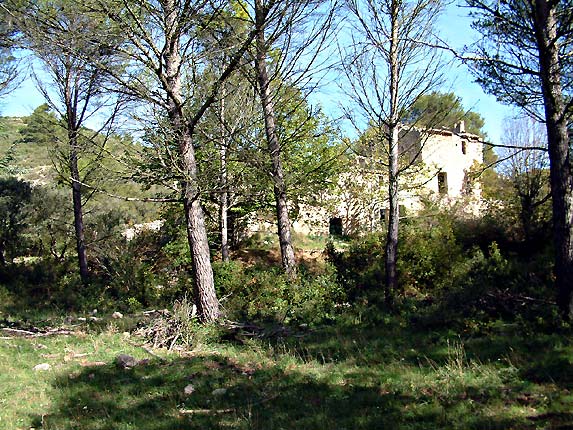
[443, 183]
[335, 227]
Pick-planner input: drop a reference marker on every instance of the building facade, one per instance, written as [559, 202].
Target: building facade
[441, 168]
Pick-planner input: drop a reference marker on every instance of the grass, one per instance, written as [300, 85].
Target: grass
[395, 374]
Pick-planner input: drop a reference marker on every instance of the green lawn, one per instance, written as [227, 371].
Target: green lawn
[395, 375]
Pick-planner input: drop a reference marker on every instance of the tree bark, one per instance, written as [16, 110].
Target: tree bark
[203, 286]
[78, 209]
[224, 212]
[72, 129]
[391, 251]
[279, 185]
[223, 184]
[561, 174]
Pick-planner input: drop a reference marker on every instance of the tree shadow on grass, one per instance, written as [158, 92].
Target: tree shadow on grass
[531, 371]
[151, 396]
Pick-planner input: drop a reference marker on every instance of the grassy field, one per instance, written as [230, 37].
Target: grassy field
[395, 374]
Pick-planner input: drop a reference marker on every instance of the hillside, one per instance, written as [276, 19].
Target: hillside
[32, 145]
[32, 161]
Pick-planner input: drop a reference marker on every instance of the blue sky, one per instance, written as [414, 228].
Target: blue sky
[454, 27]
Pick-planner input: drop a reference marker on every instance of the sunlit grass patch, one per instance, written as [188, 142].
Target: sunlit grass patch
[388, 376]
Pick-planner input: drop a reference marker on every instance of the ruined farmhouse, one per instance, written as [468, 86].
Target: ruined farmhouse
[441, 164]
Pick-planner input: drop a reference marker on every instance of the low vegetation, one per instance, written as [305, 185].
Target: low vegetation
[134, 293]
[368, 370]
[472, 343]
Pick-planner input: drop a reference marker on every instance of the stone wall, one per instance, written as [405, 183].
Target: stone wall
[444, 160]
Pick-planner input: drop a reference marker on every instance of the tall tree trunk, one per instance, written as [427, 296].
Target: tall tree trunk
[70, 100]
[204, 286]
[391, 251]
[2, 258]
[72, 127]
[78, 209]
[561, 174]
[224, 212]
[223, 184]
[279, 185]
[527, 216]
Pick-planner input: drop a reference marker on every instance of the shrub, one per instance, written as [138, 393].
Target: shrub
[263, 293]
[360, 268]
[317, 298]
[428, 255]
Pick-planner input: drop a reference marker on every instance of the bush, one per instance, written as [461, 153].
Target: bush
[263, 293]
[318, 298]
[435, 262]
[360, 268]
[428, 255]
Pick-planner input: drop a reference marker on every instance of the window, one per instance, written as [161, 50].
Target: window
[383, 215]
[443, 183]
[464, 147]
[335, 227]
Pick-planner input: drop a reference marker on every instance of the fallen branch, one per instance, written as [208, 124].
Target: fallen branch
[205, 411]
[224, 411]
[149, 351]
[26, 333]
[518, 298]
[19, 331]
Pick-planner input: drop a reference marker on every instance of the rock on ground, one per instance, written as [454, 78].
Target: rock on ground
[42, 366]
[124, 361]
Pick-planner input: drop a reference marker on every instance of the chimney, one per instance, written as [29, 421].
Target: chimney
[460, 127]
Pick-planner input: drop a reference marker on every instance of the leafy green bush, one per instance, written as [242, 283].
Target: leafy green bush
[360, 268]
[436, 260]
[318, 297]
[263, 293]
[428, 255]
[15, 196]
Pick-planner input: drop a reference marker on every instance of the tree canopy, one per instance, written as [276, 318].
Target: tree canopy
[444, 110]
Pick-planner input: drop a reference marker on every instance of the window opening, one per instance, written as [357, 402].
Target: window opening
[443, 183]
[335, 227]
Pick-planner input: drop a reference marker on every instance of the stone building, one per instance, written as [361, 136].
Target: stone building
[441, 162]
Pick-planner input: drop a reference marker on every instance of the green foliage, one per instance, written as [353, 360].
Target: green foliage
[133, 274]
[50, 229]
[462, 266]
[34, 138]
[7, 167]
[509, 66]
[359, 268]
[260, 293]
[9, 131]
[40, 284]
[42, 128]
[15, 196]
[429, 252]
[8, 62]
[436, 110]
